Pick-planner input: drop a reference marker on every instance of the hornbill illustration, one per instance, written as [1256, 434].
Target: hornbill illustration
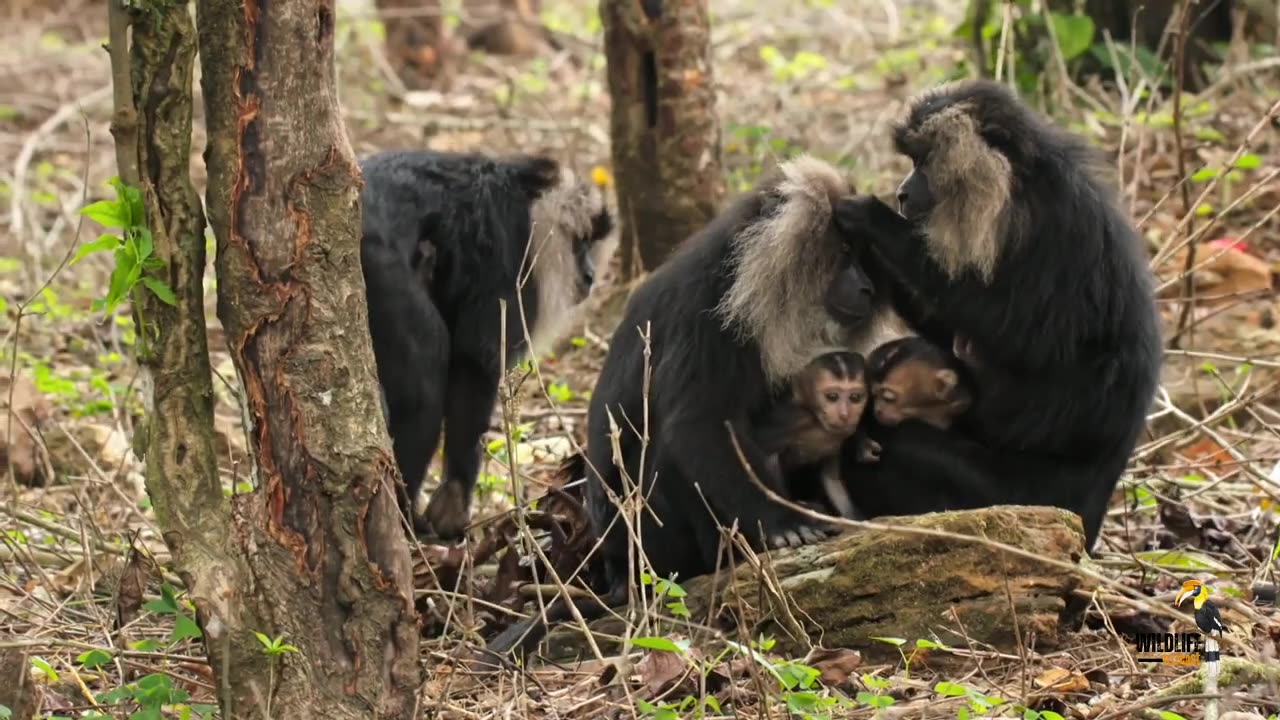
[1207, 617]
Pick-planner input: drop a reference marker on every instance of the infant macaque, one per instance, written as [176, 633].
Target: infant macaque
[912, 379]
[824, 409]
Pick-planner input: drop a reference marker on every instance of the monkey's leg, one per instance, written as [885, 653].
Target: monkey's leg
[418, 433]
[469, 402]
[835, 488]
[699, 446]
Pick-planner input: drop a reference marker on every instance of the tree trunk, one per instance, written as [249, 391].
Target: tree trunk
[865, 583]
[666, 137]
[316, 555]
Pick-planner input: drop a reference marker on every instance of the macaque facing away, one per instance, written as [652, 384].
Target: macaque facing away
[823, 410]
[912, 379]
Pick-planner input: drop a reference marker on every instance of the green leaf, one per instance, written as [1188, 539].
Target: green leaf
[104, 242]
[891, 640]
[161, 290]
[950, 689]
[93, 658]
[1248, 161]
[1050, 715]
[107, 213]
[656, 643]
[1180, 560]
[1204, 175]
[146, 244]
[5, 712]
[1169, 715]
[923, 643]
[184, 627]
[43, 666]
[167, 604]
[1074, 33]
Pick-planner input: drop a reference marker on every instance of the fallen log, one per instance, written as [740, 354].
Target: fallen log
[874, 583]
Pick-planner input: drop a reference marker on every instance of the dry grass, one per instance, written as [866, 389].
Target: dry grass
[1204, 484]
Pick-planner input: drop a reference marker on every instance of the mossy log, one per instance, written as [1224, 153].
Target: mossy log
[878, 583]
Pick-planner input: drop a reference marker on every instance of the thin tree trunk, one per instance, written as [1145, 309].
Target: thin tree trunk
[152, 127]
[316, 554]
[666, 138]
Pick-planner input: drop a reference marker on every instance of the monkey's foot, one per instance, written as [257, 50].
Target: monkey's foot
[449, 511]
[803, 534]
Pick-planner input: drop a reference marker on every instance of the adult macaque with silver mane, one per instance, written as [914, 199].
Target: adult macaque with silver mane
[446, 236]
[1011, 238]
[740, 308]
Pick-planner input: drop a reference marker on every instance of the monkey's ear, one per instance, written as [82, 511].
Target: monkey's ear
[945, 381]
[537, 173]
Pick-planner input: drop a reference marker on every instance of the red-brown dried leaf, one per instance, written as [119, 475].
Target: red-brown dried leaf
[836, 664]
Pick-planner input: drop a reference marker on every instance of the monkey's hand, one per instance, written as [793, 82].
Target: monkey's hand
[865, 216]
[869, 450]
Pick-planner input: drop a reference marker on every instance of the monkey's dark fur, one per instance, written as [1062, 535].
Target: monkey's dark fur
[471, 229]
[742, 306]
[1013, 239]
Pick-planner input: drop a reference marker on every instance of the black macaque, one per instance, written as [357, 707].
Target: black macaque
[824, 408]
[1011, 241]
[470, 230]
[723, 325]
[911, 379]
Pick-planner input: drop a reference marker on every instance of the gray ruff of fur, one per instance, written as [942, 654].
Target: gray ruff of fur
[559, 216]
[784, 264]
[971, 183]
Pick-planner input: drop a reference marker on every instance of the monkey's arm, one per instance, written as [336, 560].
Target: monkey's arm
[868, 449]
[775, 432]
[951, 304]
[699, 444]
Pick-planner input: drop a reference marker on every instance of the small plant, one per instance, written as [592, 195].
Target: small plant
[133, 249]
[184, 625]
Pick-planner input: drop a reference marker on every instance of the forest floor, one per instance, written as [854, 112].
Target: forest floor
[1201, 501]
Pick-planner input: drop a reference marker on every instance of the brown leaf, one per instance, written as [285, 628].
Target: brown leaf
[29, 410]
[659, 670]
[1062, 680]
[1224, 269]
[836, 664]
[133, 582]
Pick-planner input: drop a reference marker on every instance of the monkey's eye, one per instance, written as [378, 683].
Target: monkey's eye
[888, 395]
[832, 396]
[855, 397]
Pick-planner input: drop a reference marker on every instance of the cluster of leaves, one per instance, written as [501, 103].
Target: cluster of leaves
[1033, 36]
[133, 249]
[152, 693]
[800, 687]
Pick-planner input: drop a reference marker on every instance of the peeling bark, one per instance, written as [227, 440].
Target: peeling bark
[666, 137]
[152, 128]
[317, 553]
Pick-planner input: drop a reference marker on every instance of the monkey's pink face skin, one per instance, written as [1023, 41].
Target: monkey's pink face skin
[840, 410]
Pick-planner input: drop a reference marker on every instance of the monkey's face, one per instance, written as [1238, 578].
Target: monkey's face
[591, 248]
[849, 297]
[915, 199]
[838, 403]
[917, 391]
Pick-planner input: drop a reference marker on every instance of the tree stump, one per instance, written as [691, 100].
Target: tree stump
[870, 583]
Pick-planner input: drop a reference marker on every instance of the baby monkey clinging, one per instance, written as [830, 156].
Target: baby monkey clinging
[824, 409]
[912, 379]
